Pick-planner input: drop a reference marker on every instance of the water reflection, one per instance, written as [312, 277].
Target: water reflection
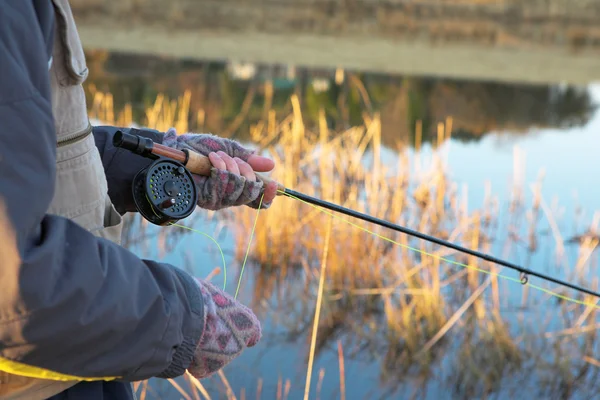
[406, 324]
[219, 91]
[394, 309]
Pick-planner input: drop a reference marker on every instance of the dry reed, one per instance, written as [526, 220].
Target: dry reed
[411, 309]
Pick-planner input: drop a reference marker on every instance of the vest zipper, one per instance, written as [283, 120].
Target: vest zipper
[75, 137]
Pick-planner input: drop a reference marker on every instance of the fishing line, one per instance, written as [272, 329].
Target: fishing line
[170, 184]
[221, 251]
[249, 245]
[523, 281]
[377, 221]
[202, 233]
[217, 243]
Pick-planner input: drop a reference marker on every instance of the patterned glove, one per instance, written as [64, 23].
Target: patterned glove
[229, 328]
[222, 188]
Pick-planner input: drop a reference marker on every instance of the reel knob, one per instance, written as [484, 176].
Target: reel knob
[168, 203]
[164, 192]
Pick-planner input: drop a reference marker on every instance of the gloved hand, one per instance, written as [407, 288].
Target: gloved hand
[229, 329]
[232, 181]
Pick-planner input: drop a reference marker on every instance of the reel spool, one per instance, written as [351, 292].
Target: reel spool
[164, 192]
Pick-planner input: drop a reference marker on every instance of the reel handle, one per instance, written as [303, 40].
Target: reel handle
[196, 163]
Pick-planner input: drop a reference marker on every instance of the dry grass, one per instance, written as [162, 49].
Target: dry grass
[409, 310]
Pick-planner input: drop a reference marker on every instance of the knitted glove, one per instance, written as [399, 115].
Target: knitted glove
[229, 328]
[222, 188]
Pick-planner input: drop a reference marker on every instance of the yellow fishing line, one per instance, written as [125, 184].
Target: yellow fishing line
[202, 233]
[550, 292]
[333, 215]
[221, 251]
[249, 244]
[217, 243]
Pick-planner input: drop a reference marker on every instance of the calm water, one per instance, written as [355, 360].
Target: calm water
[558, 130]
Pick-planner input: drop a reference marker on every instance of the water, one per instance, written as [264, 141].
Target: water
[556, 128]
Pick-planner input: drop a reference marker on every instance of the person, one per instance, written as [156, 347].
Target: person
[80, 315]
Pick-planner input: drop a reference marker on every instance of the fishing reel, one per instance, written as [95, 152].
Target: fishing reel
[164, 191]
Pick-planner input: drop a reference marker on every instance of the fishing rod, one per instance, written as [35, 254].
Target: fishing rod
[164, 192]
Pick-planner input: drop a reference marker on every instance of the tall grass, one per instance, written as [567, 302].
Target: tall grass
[398, 302]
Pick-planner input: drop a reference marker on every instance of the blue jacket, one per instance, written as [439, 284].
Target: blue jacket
[121, 316]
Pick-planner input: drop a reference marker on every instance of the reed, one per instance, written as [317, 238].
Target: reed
[407, 308]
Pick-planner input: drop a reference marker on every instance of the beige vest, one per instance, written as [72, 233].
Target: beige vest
[81, 188]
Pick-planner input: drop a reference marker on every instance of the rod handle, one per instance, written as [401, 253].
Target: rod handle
[196, 163]
[200, 164]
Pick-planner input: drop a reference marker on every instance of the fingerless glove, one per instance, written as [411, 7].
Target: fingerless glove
[229, 329]
[222, 188]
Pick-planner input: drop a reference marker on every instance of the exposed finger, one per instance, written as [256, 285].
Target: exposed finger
[245, 169]
[231, 164]
[260, 163]
[270, 192]
[217, 161]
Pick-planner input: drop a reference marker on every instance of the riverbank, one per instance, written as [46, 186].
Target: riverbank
[538, 41]
[418, 58]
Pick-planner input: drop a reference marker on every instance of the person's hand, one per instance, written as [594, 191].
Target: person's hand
[233, 180]
[229, 329]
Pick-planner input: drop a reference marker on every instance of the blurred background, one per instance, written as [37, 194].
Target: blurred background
[472, 120]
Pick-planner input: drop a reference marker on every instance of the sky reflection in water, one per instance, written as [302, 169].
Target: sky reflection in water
[568, 158]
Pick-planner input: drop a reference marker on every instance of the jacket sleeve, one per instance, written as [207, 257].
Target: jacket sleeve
[72, 303]
[121, 166]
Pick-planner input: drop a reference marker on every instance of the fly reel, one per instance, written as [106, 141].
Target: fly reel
[164, 192]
